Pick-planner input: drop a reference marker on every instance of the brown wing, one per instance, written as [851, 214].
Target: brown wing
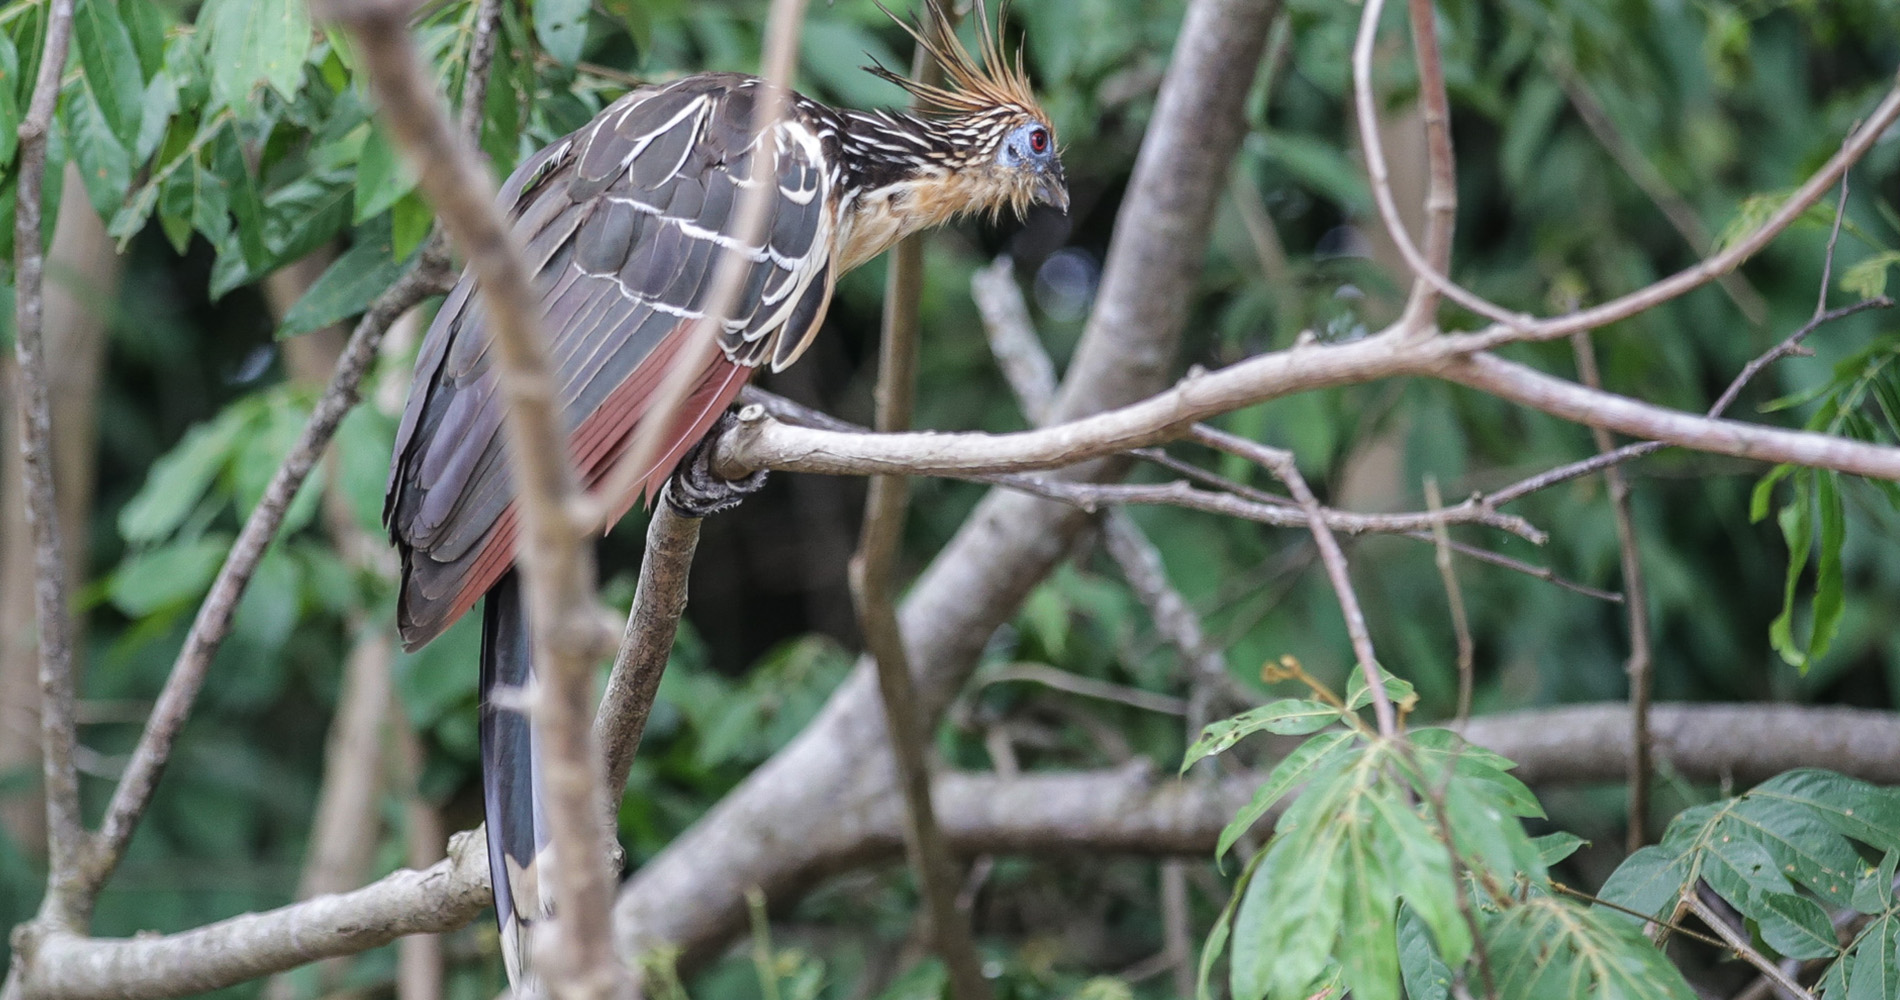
[624, 222]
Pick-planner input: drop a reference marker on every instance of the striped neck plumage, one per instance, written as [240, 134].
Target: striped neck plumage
[903, 173]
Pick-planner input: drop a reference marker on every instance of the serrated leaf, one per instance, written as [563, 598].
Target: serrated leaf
[251, 44]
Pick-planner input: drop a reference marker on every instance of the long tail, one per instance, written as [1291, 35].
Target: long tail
[511, 792]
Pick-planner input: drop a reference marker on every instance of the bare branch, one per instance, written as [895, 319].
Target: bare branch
[67, 904]
[64, 966]
[874, 586]
[658, 602]
[761, 442]
[1635, 606]
[554, 556]
[1643, 173]
[1510, 328]
[1330, 555]
[1738, 942]
[1455, 601]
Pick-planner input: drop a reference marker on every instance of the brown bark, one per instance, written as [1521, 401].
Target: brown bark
[82, 281]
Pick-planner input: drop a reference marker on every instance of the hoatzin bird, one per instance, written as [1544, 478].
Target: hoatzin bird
[624, 222]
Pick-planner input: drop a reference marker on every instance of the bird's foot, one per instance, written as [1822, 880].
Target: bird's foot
[695, 490]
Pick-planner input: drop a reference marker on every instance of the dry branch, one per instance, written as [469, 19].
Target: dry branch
[554, 556]
[67, 904]
[1130, 810]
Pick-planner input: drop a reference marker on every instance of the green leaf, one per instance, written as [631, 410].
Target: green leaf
[410, 220]
[251, 43]
[178, 481]
[1286, 717]
[9, 107]
[1869, 969]
[561, 28]
[1306, 760]
[381, 177]
[1868, 278]
[1549, 949]
[1796, 521]
[1648, 882]
[111, 67]
[1799, 928]
[1217, 937]
[1829, 582]
[1424, 973]
[105, 166]
[168, 577]
[1397, 689]
[347, 286]
[1874, 892]
[1554, 847]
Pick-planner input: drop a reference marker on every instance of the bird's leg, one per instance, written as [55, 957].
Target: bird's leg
[695, 490]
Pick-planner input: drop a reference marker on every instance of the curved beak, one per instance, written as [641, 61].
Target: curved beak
[1052, 189]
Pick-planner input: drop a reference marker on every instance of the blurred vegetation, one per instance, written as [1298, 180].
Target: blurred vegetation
[222, 141]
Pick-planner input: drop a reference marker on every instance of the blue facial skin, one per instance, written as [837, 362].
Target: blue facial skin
[1030, 147]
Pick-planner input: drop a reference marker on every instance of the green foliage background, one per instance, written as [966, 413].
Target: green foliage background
[221, 141]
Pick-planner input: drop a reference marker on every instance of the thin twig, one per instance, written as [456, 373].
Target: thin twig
[554, 555]
[1455, 600]
[1543, 573]
[1739, 944]
[658, 602]
[67, 904]
[1088, 687]
[1651, 182]
[873, 573]
[1512, 328]
[1635, 606]
[1282, 465]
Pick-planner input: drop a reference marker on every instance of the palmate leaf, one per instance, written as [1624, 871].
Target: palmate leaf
[1550, 949]
[1350, 849]
[1869, 967]
[1776, 854]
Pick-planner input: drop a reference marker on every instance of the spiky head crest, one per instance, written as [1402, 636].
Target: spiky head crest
[975, 84]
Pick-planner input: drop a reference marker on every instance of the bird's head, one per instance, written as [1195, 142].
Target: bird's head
[993, 133]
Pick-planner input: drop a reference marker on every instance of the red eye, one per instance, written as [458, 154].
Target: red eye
[1039, 140]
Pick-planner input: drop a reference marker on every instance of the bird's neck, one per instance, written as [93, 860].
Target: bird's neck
[906, 174]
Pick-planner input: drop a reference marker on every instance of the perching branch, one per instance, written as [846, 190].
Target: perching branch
[67, 904]
[659, 599]
[554, 555]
